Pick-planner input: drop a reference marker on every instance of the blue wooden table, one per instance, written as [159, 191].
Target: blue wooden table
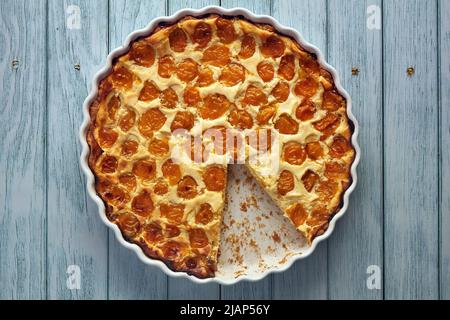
[394, 241]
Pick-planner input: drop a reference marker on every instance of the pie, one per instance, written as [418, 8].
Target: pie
[190, 98]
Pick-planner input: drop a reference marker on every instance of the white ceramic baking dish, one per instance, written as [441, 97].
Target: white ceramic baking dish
[269, 257]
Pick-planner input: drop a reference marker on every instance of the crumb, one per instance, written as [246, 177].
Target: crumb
[244, 206]
[276, 237]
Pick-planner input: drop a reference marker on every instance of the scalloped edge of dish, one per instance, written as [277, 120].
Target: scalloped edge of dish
[172, 19]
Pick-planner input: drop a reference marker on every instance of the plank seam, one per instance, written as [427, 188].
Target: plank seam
[46, 145]
[383, 148]
[439, 146]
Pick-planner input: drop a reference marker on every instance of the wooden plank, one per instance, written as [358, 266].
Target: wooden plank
[22, 160]
[129, 278]
[182, 288]
[444, 76]
[263, 288]
[357, 242]
[411, 150]
[76, 235]
[306, 279]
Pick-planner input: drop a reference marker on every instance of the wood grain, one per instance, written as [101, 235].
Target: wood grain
[263, 288]
[129, 278]
[306, 279]
[22, 160]
[76, 235]
[357, 241]
[410, 158]
[444, 77]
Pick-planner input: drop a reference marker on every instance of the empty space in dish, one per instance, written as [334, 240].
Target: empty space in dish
[256, 237]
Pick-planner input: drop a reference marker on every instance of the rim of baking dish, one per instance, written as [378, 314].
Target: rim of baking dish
[265, 19]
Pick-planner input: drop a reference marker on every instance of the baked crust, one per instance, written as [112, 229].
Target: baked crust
[170, 205]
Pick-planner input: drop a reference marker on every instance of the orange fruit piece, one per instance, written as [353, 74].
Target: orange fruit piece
[171, 171]
[112, 194]
[129, 225]
[144, 169]
[129, 147]
[108, 164]
[217, 55]
[254, 96]
[149, 92]
[202, 34]
[187, 70]
[240, 119]
[332, 100]
[177, 40]
[172, 231]
[281, 91]
[182, 120]
[297, 214]
[172, 250]
[335, 170]
[198, 238]
[339, 147]
[142, 204]
[329, 121]
[309, 180]
[160, 188]
[248, 47]
[205, 77]
[266, 113]
[166, 66]
[286, 125]
[308, 65]
[294, 153]
[265, 70]
[225, 30]
[122, 77]
[214, 106]
[169, 98]
[127, 121]
[285, 182]
[142, 53]
[273, 47]
[187, 188]
[232, 74]
[174, 213]
[158, 147]
[327, 189]
[107, 137]
[128, 180]
[204, 214]
[286, 68]
[151, 120]
[153, 233]
[215, 178]
[305, 111]
[314, 150]
[306, 87]
[191, 96]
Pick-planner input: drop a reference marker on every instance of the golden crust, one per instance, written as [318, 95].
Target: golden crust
[142, 101]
